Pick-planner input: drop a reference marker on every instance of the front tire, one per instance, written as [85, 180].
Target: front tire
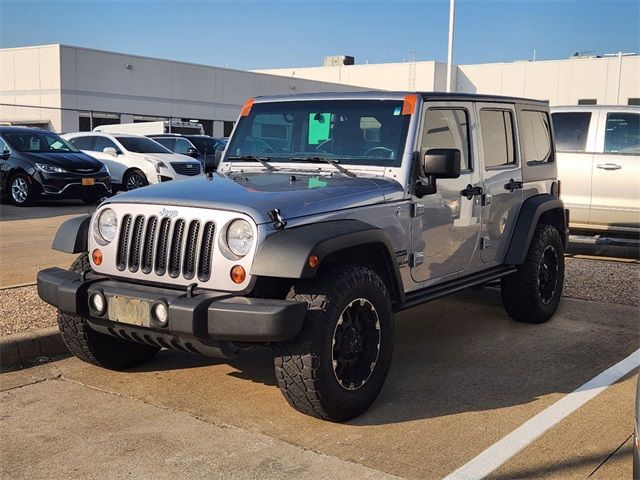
[21, 191]
[336, 367]
[97, 348]
[532, 294]
[134, 179]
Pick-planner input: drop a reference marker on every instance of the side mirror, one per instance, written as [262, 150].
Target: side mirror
[5, 155]
[212, 166]
[110, 151]
[438, 163]
[193, 152]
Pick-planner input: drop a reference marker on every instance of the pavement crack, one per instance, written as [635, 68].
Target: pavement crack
[610, 455]
[35, 382]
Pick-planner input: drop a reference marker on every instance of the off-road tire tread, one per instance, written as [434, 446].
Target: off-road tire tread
[94, 347]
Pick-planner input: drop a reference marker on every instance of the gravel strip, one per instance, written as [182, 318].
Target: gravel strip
[600, 281]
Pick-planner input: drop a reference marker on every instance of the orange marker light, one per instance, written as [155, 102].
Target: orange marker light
[96, 256]
[238, 274]
[313, 261]
[409, 104]
[247, 108]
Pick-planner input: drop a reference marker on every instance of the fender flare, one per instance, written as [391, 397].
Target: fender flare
[73, 235]
[528, 217]
[285, 254]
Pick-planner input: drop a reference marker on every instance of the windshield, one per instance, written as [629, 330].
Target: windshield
[142, 145]
[358, 132]
[39, 142]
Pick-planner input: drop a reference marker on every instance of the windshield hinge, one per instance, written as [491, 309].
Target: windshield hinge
[417, 209]
[276, 217]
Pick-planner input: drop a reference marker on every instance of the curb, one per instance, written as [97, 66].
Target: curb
[24, 348]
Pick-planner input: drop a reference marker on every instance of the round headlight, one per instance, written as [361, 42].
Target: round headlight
[240, 237]
[107, 224]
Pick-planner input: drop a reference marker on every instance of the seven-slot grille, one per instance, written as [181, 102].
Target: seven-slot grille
[165, 245]
[186, 168]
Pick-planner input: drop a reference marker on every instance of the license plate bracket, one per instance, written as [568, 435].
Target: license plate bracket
[132, 311]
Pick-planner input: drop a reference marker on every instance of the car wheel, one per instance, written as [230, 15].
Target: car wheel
[94, 347]
[21, 191]
[532, 293]
[135, 179]
[336, 367]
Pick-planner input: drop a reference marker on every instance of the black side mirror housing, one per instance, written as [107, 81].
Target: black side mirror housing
[438, 163]
[5, 155]
[193, 152]
[210, 166]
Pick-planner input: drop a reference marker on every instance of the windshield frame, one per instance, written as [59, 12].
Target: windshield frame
[42, 138]
[161, 148]
[346, 106]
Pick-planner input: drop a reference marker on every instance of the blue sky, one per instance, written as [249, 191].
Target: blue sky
[244, 34]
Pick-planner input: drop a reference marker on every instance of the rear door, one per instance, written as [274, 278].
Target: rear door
[575, 139]
[616, 171]
[502, 177]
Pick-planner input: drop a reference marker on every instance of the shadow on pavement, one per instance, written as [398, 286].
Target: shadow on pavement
[44, 210]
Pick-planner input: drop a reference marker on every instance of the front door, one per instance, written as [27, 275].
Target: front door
[446, 225]
[502, 178]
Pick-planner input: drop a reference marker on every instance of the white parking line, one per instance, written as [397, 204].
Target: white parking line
[498, 453]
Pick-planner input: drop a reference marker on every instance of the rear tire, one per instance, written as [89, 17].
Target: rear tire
[532, 294]
[97, 348]
[336, 367]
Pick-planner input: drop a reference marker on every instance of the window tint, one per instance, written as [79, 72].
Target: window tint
[39, 142]
[497, 138]
[82, 143]
[103, 142]
[571, 130]
[622, 133]
[142, 145]
[447, 129]
[182, 145]
[536, 136]
[166, 142]
[3, 146]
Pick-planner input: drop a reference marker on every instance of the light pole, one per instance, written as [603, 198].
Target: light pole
[619, 55]
[452, 14]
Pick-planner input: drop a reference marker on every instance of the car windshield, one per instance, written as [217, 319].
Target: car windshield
[357, 132]
[142, 145]
[208, 145]
[39, 142]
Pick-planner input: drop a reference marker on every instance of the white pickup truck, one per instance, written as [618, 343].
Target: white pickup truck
[598, 154]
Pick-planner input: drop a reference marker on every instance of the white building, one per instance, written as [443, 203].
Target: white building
[606, 80]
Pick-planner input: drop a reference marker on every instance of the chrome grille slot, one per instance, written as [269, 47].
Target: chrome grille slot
[190, 251]
[123, 243]
[136, 238]
[176, 248]
[161, 249]
[206, 248]
[147, 249]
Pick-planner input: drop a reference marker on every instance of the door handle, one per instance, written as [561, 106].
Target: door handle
[471, 191]
[513, 185]
[609, 166]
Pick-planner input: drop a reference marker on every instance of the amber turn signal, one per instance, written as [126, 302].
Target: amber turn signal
[238, 274]
[313, 261]
[96, 256]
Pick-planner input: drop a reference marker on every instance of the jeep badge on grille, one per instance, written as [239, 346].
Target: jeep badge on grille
[168, 213]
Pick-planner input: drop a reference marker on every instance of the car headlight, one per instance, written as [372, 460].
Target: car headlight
[107, 225]
[240, 237]
[156, 163]
[46, 168]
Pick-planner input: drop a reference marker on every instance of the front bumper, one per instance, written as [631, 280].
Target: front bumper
[203, 316]
[69, 185]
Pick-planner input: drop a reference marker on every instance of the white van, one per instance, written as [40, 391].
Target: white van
[151, 128]
[598, 155]
[133, 160]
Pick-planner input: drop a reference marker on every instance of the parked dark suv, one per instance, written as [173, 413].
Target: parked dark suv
[35, 163]
[201, 147]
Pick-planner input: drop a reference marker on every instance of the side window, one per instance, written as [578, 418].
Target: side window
[622, 133]
[166, 142]
[447, 128]
[103, 142]
[497, 138]
[571, 130]
[82, 143]
[3, 147]
[182, 145]
[535, 133]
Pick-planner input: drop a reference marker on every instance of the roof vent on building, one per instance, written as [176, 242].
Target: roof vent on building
[336, 60]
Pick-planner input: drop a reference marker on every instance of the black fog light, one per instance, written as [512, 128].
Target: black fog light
[98, 303]
[160, 313]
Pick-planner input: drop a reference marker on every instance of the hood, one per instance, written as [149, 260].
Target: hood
[295, 194]
[72, 161]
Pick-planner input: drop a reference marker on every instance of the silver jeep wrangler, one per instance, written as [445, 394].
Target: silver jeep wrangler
[327, 214]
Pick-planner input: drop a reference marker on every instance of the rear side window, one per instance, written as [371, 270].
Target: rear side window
[535, 133]
[622, 133]
[82, 143]
[571, 130]
[445, 128]
[497, 138]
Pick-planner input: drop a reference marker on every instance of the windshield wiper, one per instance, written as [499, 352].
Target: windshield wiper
[333, 163]
[252, 158]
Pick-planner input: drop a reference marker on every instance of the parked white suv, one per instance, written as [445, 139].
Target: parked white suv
[133, 160]
[598, 152]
